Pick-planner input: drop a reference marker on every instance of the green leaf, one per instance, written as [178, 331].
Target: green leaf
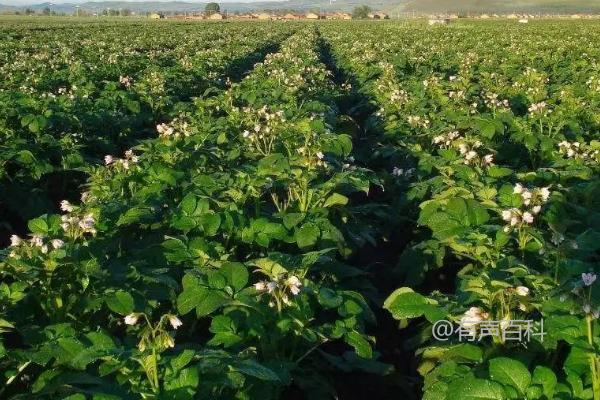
[290, 220]
[186, 378]
[467, 211]
[236, 275]
[120, 302]
[475, 389]
[510, 372]
[133, 106]
[405, 303]
[253, 368]
[38, 226]
[210, 223]
[329, 298]
[499, 172]
[203, 299]
[188, 204]
[360, 344]
[225, 332]
[336, 199]
[443, 226]
[307, 235]
[182, 359]
[544, 377]
[133, 215]
[273, 164]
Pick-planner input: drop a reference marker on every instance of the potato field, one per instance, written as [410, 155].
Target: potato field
[295, 210]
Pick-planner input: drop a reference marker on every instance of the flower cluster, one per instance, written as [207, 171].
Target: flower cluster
[418, 121]
[515, 216]
[36, 242]
[583, 290]
[176, 129]
[539, 108]
[399, 96]
[472, 318]
[594, 84]
[446, 140]
[280, 289]
[124, 163]
[401, 172]
[125, 81]
[76, 226]
[532, 82]
[472, 157]
[155, 337]
[431, 81]
[491, 100]
[457, 94]
[534, 197]
[265, 127]
[577, 151]
[533, 200]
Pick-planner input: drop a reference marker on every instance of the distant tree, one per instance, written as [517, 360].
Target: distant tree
[212, 8]
[126, 12]
[29, 11]
[361, 12]
[46, 11]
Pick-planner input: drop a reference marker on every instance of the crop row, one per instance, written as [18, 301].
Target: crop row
[209, 261]
[495, 160]
[72, 95]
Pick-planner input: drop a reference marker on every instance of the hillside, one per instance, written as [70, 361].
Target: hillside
[501, 6]
[394, 6]
[167, 6]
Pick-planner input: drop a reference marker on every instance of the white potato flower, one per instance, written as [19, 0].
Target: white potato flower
[131, 319]
[522, 291]
[15, 241]
[175, 322]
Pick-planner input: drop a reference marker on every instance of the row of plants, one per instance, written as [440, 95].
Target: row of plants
[208, 262]
[486, 137]
[71, 94]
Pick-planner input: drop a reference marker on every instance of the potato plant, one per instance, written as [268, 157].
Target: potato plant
[494, 156]
[265, 211]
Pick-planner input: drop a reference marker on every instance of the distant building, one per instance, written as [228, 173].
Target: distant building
[290, 16]
[263, 16]
[379, 15]
[484, 16]
[338, 15]
[312, 15]
[156, 16]
[523, 21]
[512, 16]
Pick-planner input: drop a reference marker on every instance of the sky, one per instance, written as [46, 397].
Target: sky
[28, 2]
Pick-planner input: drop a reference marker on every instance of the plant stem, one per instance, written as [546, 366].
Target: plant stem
[593, 361]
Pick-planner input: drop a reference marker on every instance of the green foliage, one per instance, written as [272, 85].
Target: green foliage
[361, 12]
[492, 154]
[211, 8]
[280, 182]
